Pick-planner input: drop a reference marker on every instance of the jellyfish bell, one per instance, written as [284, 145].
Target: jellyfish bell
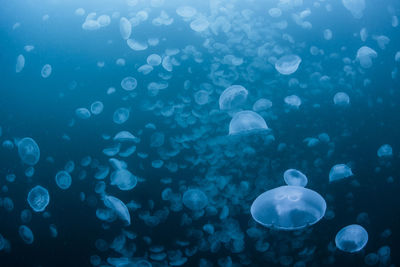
[351, 238]
[295, 177]
[246, 122]
[233, 97]
[288, 208]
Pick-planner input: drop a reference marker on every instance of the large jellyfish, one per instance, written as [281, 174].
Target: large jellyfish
[365, 56]
[246, 122]
[351, 238]
[38, 198]
[28, 151]
[118, 207]
[233, 97]
[288, 208]
[295, 177]
[194, 199]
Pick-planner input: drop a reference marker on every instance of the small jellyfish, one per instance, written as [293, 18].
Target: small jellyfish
[121, 115]
[20, 63]
[118, 207]
[293, 101]
[288, 64]
[295, 177]
[96, 107]
[186, 11]
[339, 171]
[124, 179]
[385, 151]
[154, 60]
[195, 199]
[63, 180]
[125, 28]
[351, 238]
[38, 198]
[28, 151]
[365, 56]
[46, 71]
[356, 7]
[199, 25]
[129, 83]
[262, 104]
[245, 122]
[26, 234]
[233, 97]
[341, 99]
[82, 113]
[288, 208]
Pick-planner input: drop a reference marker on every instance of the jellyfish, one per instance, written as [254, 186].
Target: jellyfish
[121, 115]
[247, 121]
[199, 25]
[154, 60]
[341, 99]
[26, 234]
[288, 208]
[129, 83]
[293, 101]
[96, 107]
[365, 56]
[195, 199]
[20, 63]
[351, 238]
[124, 179]
[288, 64]
[82, 113]
[63, 180]
[233, 97]
[295, 177]
[118, 207]
[356, 7]
[339, 171]
[186, 11]
[28, 151]
[385, 151]
[125, 28]
[46, 71]
[38, 198]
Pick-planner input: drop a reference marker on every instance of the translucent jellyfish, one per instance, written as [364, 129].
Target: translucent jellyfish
[186, 11]
[341, 99]
[125, 28]
[195, 199]
[199, 25]
[201, 97]
[356, 7]
[339, 171]
[20, 64]
[154, 60]
[288, 208]
[96, 107]
[129, 83]
[46, 71]
[275, 12]
[63, 180]
[371, 259]
[245, 122]
[351, 238]
[295, 177]
[365, 56]
[104, 20]
[327, 34]
[125, 136]
[124, 179]
[38, 198]
[293, 101]
[82, 113]
[385, 151]
[288, 64]
[121, 115]
[118, 207]
[136, 45]
[233, 97]
[26, 234]
[28, 151]
[80, 12]
[262, 104]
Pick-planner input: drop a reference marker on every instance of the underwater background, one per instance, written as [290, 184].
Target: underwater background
[142, 132]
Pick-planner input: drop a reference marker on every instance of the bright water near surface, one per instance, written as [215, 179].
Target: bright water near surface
[199, 133]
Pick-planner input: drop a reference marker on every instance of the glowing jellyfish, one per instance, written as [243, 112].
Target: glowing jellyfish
[295, 177]
[63, 180]
[38, 198]
[96, 107]
[125, 28]
[288, 208]
[121, 115]
[288, 64]
[118, 207]
[341, 99]
[186, 11]
[233, 97]
[385, 151]
[46, 71]
[124, 179]
[365, 56]
[293, 101]
[245, 122]
[26, 234]
[356, 7]
[20, 63]
[28, 151]
[339, 171]
[199, 25]
[129, 83]
[351, 238]
[195, 199]
[154, 60]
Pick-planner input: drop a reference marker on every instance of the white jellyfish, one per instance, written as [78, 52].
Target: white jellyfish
[121, 115]
[199, 24]
[20, 64]
[293, 101]
[195, 199]
[63, 180]
[38, 198]
[233, 97]
[356, 7]
[125, 28]
[351, 238]
[124, 179]
[341, 99]
[339, 172]
[385, 151]
[186, 11]
[129, 83]
[295, 177]
[365, 55]
[28, 151]
[46, 71]
[245, 122]
[288, 64]
[288, 208]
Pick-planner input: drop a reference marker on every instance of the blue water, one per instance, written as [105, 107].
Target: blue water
[160, 227]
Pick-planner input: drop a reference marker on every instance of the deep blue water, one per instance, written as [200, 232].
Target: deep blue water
[198, 151]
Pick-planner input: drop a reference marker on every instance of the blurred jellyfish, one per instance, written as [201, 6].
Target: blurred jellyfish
[28, 151]
[124, 179]
[351, 238]
[96, 107]
[233, 97]
[295, 177]
[288, 64]
[46, 71]
[20, 64]
[195, 199]
[341, 99]
[356, 7]
[245, 122]
[118, 207]
[339, 171]
[26, 234]
[129, 83]
[365, 56]
[125, 28]
[385, 151]
[293, 101]
[288, 208]
[121, 115]
[63, 180]
[38, 198]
